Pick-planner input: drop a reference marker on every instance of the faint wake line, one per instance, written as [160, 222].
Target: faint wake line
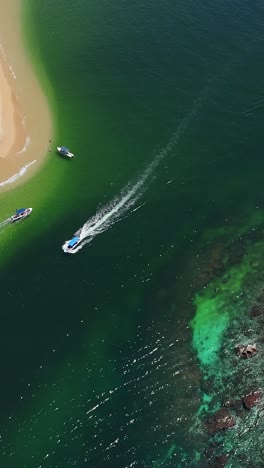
[5, 222]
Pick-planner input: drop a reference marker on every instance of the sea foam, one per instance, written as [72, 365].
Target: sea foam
[16, 176]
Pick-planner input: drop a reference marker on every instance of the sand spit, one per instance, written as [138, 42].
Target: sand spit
[25, 119]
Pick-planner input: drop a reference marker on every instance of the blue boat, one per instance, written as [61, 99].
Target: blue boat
[65, 151]
[72, 244]
[20, 214]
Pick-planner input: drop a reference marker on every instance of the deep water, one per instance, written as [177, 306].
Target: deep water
[105, 354]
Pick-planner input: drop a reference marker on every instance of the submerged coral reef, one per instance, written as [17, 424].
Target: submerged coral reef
[227, 327]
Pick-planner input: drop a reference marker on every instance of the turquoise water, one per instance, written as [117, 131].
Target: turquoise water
[98, 364]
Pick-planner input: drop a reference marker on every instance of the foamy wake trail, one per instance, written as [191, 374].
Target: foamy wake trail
[5, 222]
[115, 210]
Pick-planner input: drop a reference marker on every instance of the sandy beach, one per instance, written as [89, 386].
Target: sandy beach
[25, 119]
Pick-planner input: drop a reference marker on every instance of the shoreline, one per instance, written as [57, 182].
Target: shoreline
[25, 117]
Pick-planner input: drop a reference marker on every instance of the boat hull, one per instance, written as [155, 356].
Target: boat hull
[62, 153]
[18, 217]
[71, 249]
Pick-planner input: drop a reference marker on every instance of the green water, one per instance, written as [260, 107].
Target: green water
[102, 351]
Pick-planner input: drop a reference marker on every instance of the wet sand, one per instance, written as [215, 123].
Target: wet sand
[25, 119]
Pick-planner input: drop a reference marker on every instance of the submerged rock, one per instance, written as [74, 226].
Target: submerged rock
[246, 351]
[221, 419]
[236, 404]
[220, 461]
[256, 311]
[251, 399]
[207, 385]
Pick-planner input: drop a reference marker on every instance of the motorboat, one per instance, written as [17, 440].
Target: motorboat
[72, 244]
[65, 151]
[21, 214]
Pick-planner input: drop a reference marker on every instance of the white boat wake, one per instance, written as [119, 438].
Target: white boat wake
[115, 210]
[5, 222]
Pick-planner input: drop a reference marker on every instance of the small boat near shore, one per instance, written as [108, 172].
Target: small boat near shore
[72, 244]
[65, 151]
[21, 214]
